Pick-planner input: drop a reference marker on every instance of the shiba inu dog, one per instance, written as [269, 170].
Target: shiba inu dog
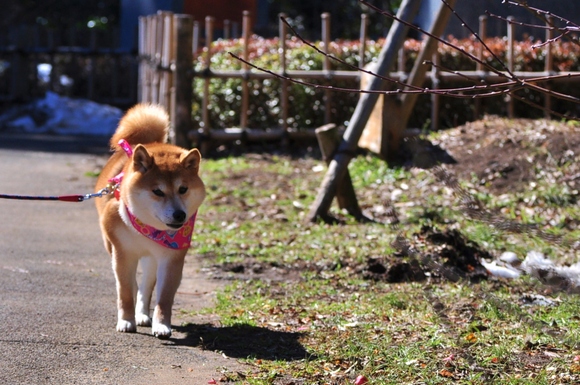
[150, 218]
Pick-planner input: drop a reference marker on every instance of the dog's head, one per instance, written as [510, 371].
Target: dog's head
[162, 186]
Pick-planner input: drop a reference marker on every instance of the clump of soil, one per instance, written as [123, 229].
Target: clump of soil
[444, 255]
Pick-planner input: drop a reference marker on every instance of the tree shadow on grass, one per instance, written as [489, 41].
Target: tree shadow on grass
[244, 341]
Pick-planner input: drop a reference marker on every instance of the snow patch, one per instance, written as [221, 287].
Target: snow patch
[536, 265]
[56, 114]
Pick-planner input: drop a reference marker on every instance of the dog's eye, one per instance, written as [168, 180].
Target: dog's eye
[158, 192]
[182, 190]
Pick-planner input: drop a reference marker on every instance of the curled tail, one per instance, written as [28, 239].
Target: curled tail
[142, 124]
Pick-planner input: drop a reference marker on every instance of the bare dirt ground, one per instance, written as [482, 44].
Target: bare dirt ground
[504, 154]
[496, 155]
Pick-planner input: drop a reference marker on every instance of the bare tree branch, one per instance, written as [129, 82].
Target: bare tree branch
[512, 82]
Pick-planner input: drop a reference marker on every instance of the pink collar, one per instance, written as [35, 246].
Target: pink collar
[178, 240]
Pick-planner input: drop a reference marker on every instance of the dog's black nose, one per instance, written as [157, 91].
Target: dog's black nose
[179, 215]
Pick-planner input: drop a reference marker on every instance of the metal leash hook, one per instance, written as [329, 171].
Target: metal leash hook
[107, 190]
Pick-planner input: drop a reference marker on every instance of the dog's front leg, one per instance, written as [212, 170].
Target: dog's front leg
[149, 270]
[125, 269]
[169, 273]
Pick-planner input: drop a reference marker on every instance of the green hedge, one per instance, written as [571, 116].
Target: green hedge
[306, 104]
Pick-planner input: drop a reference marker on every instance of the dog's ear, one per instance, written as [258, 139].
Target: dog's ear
[190, 160]
[142, 160]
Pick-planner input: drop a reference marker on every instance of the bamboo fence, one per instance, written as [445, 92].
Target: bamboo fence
[163, 35]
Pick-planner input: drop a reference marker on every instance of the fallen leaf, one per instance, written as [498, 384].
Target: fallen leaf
[446, 373]
[471, 337]
[360, 380]
[551, 354]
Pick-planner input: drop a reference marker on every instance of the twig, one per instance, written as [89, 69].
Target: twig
[513, 82]
[476, 35]
[445, 42]
[539, 11]
[330, 56]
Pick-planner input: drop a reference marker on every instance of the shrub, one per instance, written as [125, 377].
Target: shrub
[306, 106]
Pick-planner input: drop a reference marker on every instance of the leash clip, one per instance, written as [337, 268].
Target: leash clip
[110, 188]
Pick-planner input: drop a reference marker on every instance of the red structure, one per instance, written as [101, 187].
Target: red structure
[221, 10]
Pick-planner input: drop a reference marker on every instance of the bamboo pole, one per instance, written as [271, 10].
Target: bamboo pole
[142, 76]
[205, 100]
[326, 65]
[227, 29]
[510, 57]
[401, 61]
[182, 89]
[548, 66]
[465, 77]
[165, 59]
[479, 66]
[155, 56]
[364, 23]
[283, 30]
[195, 40]
[435, 98]
[245, 87]
[339, 164]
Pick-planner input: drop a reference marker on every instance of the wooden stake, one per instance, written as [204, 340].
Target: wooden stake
[328, 140]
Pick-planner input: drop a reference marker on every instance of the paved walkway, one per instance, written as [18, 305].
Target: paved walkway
[57, 291]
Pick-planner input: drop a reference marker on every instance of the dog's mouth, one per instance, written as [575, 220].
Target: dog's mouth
[174, 225]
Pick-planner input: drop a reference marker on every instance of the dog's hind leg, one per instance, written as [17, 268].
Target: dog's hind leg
[148, 278]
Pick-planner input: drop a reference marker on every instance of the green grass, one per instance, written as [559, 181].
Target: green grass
[429, 332]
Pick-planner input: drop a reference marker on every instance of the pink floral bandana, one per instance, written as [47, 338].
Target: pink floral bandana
[177, 240]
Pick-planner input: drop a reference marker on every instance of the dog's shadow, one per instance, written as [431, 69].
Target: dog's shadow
[243, 341]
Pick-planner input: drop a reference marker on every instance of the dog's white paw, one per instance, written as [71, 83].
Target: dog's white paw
[126, 326]
[143, 319]
[161, 331]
